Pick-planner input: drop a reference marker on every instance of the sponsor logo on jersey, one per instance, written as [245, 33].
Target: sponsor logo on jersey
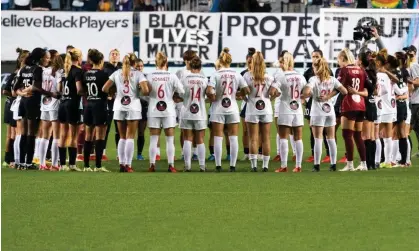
[356, 98]
[125, 100]
[379, 105]
[326, 108]
[226, 102]
[161, 106]
[260, 105]
[294, 105]
[194, 108]
[46, 100]
[393, 102]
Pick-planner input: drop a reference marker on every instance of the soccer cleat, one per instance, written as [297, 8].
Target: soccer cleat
[122, 168]
[202, 170]
[186, 170]
[277, 158]
[232, 169]
[228, 157]
[104, 157]
[195, 157]
[92, 157]
[12, 165]
[74, 168]
[326, 159]
[265, 170]
[5, 164]
[43, 168]
[64, 169]
[281, 170]
[347, 169]
[128, 169]
[297, 170]
[54, 169]
[211, 157]
[140, 157]
[310, 159]
[408, 164]
[377, 165]
[172, 169]
[36, 161]
[152, 168]
[393, 164]
[101, 170]
[254, 169]
[361, 168]
[245, 157]
[316, 168]
[218, 169]
[32, 167]
[343, 160]
[385, 165]
[332, 168]
[157, 157]
[87, 169]
[80, 157]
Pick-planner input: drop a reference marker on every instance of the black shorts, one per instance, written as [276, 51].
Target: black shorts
[243, 111]
[30, 108]
[401, 112]
[8, 115]
[95, 113]
[308, 109]
[209, 122]
[371, 112]
[69, 112]
[144, 110]
[358, 116]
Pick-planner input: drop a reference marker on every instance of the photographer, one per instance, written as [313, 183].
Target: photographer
[373, 33]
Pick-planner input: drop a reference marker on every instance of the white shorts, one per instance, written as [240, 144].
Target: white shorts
[259, 118]
[162, 122]
[291, 120]
[325, 121]
[409, 116]
[16, 115]
[388, 118]
[127, 115]
[225, 119]
[193, 124]
[49, 115]
[276, 108]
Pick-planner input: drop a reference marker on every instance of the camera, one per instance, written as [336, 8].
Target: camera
[363, 32]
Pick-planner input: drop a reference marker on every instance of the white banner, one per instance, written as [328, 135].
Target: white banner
[55, 30]
[175, 32]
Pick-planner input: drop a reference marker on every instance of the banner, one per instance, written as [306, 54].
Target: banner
[55, 30]
[175, 32]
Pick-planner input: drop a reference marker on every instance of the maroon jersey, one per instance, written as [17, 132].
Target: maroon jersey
[354, 77]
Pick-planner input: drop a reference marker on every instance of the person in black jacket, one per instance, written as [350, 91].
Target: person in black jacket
[109, 68]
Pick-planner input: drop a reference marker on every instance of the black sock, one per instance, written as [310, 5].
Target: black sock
[228, 149]
[325, 143]
[22, 146]
[246, 150]
[48, 156]
[116, 138]
[30, 150]
[62, 151]
[211, 149]
[140, 144]
[11, 151]
[403, 150]
[367, 150]
[260, 150]
[411, 146]
[72, 155]
[87, 148]
[373, 147]
[7, 157]
[382, 150]
[99, 145]
[312, 142]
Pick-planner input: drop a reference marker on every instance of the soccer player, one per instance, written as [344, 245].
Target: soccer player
[321, 88]
[68, 111]
[193, 115]
[259, 112]
[51, 79]
[224, 110]
[95, 111]
[127, 107]
[290, 116]
[142, 124]
[161, 110]
[413, 82]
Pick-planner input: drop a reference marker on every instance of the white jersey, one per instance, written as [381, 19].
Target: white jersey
[163, 85]
[322, 88]
[291, 86]
[127, 92]
[388, 97]
[258, 101]
[279, 73]
[226, 82]
[50, 83]
[414, 73]
[194, 98]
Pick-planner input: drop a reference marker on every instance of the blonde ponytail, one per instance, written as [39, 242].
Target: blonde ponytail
[161, 59]
[258, 67]
[347, 56]
[287, 62]
[127, 62]
[322, 69]
[225, 58]
[73, 55]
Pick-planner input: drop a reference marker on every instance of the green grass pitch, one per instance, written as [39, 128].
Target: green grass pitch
[375, 210]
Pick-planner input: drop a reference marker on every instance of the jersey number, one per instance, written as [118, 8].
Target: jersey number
[126, 87]
[259, 90]
[92, 89]
[26, 83]
[355, 83]
[66, 89]
[47, 85]
[228, 88]
[196, 95]
[325, 92]
[295, 91]
[160, 91]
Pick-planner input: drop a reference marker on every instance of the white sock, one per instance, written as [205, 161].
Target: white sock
[333, 151]
[388, 148]
[234, 149]
[201, 154]
[121, 151]
[292, 144]
[42, 150]
[299, 149]
[158, 150]
[409, 151]
[129, 151]
[253, 160]
[395, 150]
[187, 154]
[277, 144]
[36, 153]
[363, 163]
[153, 149]
[170, 149]
[266, 161]
[378, 148]
[54, 152]
[318, 145]
[350, 164]
[218, 150]
[16, 149]
[283, 147]
[194, 151]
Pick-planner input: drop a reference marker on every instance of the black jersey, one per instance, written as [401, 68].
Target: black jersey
[93, 82]
[27, 76]
[69, 87]
[370, 85]
[10, 83]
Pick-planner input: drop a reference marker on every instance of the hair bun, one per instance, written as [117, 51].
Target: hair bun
[226, 50]
[19, 50]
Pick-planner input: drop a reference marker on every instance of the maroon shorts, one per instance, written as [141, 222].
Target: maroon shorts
[358, 116]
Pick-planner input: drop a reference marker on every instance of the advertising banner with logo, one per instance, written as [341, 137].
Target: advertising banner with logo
[56, 30]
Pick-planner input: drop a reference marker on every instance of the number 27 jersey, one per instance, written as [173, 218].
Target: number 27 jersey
[291, 85]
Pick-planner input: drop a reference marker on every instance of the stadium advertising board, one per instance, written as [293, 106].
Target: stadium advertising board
[175, 32]
[56, 30]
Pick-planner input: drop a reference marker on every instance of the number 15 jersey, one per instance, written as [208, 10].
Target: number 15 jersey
[291, 85]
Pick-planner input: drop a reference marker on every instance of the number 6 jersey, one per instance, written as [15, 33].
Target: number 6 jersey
[291, 85]
[194, 98]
